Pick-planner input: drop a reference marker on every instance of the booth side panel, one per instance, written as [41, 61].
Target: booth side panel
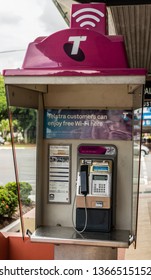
[13, 247]
[3, 247]
[20, 249]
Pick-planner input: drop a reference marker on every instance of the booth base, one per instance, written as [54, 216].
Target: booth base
[77, 252]
[14, 247]
[89, 245]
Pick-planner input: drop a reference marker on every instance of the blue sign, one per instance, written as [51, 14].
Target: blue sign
[147, 116]
[146, 123]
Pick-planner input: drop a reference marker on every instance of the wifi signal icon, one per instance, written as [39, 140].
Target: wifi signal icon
[89, 17]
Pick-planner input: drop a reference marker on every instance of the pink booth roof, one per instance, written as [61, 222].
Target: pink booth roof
[68, 72]
[76, 52]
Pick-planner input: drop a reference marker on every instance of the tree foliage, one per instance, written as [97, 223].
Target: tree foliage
[23, 119]
[26, 117]
[3, 103]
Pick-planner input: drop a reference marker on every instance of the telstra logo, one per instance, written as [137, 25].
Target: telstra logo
[73, 49]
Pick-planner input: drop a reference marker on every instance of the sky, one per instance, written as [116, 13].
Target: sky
[21, 22]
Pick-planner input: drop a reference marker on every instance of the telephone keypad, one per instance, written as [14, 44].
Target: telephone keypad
[99, 188]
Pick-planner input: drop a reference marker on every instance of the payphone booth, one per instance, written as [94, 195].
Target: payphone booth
[88, 102]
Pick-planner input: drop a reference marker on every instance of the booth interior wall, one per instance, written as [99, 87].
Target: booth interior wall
[88, 96]
[57, 213]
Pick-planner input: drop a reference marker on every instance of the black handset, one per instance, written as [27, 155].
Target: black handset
[84, 173]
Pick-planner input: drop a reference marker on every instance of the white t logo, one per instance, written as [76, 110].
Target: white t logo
[125, 115]
[76, 43]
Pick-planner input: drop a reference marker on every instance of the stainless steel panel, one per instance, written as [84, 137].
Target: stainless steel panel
[67, 235]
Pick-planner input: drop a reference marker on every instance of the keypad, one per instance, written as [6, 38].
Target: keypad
[99, 188]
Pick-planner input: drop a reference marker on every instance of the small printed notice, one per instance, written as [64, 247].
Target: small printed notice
[59, 173]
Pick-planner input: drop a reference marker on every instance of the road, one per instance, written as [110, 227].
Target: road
[26, 163]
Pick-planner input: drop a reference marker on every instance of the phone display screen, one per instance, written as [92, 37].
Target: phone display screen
[100, 177]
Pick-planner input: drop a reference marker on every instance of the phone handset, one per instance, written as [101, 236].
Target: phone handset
[84, 179]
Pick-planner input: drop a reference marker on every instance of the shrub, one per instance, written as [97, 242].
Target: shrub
[8, 202]
[12, 186]
[9, 197]
[25, 190]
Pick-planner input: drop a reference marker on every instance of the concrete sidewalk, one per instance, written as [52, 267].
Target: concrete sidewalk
[143, 249]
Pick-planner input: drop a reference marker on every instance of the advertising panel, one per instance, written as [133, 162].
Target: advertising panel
[88, 124]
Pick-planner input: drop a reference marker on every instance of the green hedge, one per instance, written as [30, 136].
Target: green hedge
[9, 197]
[8, 202]
[25, 190]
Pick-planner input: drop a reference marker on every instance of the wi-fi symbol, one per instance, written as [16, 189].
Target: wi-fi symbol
[88, 19]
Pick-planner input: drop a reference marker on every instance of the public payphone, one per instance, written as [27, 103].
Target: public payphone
[96, 188]
[86, 96]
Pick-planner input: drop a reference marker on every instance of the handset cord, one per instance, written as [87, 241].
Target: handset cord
[86, 214]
